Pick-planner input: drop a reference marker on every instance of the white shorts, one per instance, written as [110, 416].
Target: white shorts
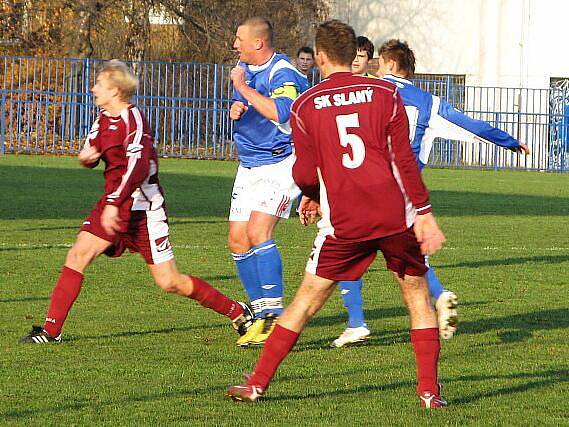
[269, 189]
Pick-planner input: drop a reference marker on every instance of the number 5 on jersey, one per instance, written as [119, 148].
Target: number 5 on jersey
[357, 145]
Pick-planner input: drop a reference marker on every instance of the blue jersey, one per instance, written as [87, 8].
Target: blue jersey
[431, 117]
[261, 141]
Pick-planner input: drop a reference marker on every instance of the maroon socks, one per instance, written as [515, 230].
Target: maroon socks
[211, 298]
[426, 346]
[278, 346]
[63, 296]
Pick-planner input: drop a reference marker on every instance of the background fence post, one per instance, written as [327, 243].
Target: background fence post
[3, 123]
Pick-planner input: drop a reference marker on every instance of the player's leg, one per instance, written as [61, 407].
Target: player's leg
[273, 191]
[86, 248]
[310, 297]
[424, 338]
[328, 259]
[403, 257]
[357, 330]
[246, 264]
[446, 303]
[149, 236]
[169, 279]
[247, 269]
[270, 269]
[242, 200]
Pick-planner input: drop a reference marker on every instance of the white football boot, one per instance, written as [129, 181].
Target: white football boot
[447, 314]
[351, 336]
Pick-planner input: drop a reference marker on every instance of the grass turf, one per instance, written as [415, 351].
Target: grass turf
[134, 355]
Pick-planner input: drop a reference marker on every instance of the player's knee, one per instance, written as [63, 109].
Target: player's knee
[167, 284]
[80, 256]
[257, 236]
[238, 244]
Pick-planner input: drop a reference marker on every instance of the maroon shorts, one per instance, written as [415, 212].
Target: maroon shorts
[340, 260]
[146, 232]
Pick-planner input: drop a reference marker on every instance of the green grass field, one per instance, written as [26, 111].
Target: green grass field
[133, 355]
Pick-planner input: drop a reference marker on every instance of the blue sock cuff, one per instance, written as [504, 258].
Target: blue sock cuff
[263, 246]
[243, 256]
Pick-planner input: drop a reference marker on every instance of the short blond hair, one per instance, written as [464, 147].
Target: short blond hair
[120, 77]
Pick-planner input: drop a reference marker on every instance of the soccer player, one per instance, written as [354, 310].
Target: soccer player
[305, 61]
[363, 56]
[354, 161]
[351, 291]
[265, 84]
[429, 117]
[130, 214]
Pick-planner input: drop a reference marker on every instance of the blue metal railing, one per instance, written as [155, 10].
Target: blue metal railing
[46, 107]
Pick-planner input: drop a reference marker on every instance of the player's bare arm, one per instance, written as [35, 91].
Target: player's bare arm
[263, 104]
[428, 233]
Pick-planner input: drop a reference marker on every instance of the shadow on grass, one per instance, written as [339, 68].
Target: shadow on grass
[77, 227]
[98, 404]
[129, 334]
[536, 380]
[541, 379]
[77, 190]
[547, 259]
[519, 327]
[509, 329]
[24, 299]
[41, 247]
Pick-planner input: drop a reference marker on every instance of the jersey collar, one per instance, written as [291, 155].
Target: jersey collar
[397, 79]
[338, 74]
[256, 68]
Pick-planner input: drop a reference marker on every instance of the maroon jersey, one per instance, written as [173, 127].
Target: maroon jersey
[351, 138]
[131, 163]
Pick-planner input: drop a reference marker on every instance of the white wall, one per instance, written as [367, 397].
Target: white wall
[493, 42]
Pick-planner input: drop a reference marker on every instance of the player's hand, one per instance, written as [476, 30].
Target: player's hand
[89, 155]
[237, 109]
[523, 149]
[428, 234]
[238, 77]
[110, 220]
[308, 211]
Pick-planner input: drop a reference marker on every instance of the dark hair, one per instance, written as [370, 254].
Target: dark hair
[305, 49]
[399, 51]
[261, 27]
[337, 40]
[365, 44]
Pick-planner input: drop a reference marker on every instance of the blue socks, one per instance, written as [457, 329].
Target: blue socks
[435, 286]
[248, 273]
[270, 273]
[352, 295]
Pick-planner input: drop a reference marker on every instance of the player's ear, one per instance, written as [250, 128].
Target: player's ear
[117, 93]
[259, 44]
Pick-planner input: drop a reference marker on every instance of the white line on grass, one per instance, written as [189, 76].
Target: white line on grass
[448, 248]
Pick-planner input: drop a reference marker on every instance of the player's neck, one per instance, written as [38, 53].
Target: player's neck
[263, 57]
[115, 108]
[328, 69]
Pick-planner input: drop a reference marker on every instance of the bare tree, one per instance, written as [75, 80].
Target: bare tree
[85, 14]
[138, 28]
[200, 31]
